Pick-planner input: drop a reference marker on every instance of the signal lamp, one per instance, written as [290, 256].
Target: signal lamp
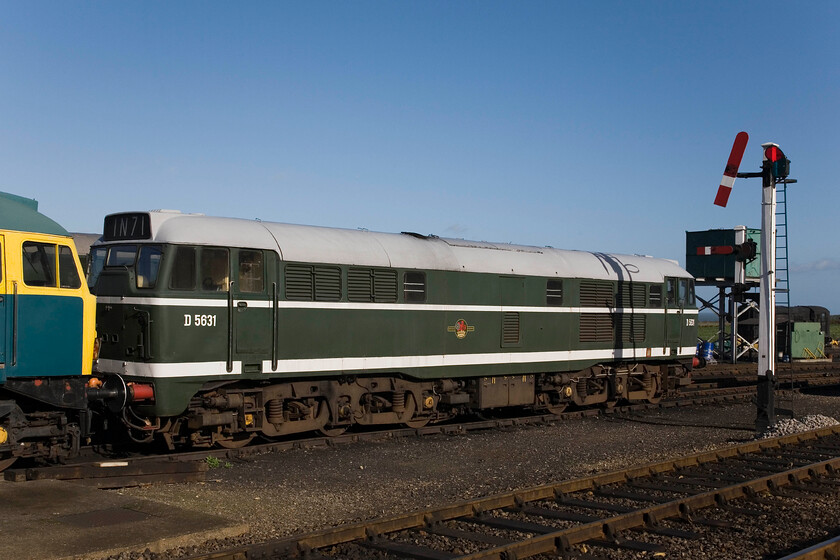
[779, 164]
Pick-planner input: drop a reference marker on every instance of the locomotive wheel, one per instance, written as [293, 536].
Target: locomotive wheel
[415, 421]
[557, 409]
[236, 441]
[654, 395]
[6, 462]
[332, 431]
[418, 422]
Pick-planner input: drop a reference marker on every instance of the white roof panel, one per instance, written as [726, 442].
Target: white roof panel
[364, 248]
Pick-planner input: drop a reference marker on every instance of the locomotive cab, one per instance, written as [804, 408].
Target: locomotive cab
[46, 336]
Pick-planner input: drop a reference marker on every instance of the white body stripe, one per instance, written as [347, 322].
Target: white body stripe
[370, 363]
[184, 369]
[264, 304]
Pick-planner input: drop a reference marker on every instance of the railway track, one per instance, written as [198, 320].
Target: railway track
[128, 469]
[826, 550]
[648, 509]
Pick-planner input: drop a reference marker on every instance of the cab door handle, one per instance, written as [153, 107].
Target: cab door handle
[242, 304]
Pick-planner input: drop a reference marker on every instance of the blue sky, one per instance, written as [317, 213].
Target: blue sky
[599, 126]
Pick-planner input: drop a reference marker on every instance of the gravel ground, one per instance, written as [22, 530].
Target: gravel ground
[279, 494]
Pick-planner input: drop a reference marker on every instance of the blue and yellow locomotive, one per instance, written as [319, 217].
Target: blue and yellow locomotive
[47, 336]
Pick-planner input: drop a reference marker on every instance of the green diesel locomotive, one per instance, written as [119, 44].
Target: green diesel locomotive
[233, 328]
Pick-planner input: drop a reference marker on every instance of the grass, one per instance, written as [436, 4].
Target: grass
[707, 329]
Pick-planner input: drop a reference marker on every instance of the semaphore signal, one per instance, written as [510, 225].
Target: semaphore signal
[731, 170]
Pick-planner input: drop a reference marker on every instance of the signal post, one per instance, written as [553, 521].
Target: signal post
[775, 169]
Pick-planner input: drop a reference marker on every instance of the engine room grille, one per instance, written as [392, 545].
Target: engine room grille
[305, 283]
[631, 295]
[377, 285]
[358, 284]
[510, 328]
[596, 327]
[327, 283]
[633, 328]
[384, 286]
[596, 294]
[299, 282]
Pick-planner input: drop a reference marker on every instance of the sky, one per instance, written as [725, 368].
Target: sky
[601, 126]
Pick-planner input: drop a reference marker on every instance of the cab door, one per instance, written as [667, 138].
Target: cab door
[673, 313]
[253, 310]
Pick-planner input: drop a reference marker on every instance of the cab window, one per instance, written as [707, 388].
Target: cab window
[686, 295]
[671, 292]
[250, 271]
[121, 255]
[148, 265]
[183, 269]
[214, 270]
[38, 264]
[68, 274]
[96, 261]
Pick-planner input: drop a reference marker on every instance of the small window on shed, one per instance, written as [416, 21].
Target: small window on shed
[554, 293]
[214, 270]
[38, 264]
[183, 269]
[414, 287]
[67, 271]
[656, 296]
[250, 271]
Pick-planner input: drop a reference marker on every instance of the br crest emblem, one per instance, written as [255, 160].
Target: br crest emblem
[460, 328]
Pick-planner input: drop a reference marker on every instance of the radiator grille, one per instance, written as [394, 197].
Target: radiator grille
[384, 286]
[299, 282]
[367, 285]
[596, 327]
[596, 294]
[327, 283]
[510, 328]
[631, 295]
[359, 287]
[633, 328]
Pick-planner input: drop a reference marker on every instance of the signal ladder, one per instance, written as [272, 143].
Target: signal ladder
[782, 284]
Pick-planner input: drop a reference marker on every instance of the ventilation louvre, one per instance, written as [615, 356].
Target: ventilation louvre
[510, 328]
[596, 294]
[596, 327]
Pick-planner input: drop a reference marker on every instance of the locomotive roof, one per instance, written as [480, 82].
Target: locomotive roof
[318, 244]
[21, 214]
